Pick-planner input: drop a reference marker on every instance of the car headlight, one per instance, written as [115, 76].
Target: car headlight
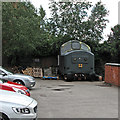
[21, 110]
[19, 91]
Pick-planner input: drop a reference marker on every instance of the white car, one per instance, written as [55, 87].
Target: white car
[14, 106]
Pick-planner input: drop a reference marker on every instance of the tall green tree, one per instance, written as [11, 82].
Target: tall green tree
[114, 43]
[76, 20]
[68, 18]
[109, 50]
[97, 21]
[22, 30]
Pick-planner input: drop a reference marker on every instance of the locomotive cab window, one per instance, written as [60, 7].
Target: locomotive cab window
[75, 45]
[85, 47]
[65, 48]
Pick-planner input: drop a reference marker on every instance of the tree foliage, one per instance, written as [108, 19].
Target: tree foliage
[76, 20]
[114, 44]
[23, 30]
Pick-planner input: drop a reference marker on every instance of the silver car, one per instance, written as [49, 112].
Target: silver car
[14, 106]
[22, 79]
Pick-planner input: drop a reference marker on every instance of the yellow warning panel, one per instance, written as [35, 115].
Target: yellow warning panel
[80, 65]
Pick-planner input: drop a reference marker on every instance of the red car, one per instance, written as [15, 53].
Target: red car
[11, 86]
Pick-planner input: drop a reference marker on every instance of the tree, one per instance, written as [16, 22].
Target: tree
[108, 51]
[114, 43]
[67, 18]
[97, 21]
[73, 19]
[22, 31]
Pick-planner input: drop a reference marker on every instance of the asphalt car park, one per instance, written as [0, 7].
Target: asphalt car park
[77, 99]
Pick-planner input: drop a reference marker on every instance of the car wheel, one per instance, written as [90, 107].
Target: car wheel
[3, 117]
[19, 82]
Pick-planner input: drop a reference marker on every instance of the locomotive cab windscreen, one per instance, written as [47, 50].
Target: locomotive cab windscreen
[74, 45]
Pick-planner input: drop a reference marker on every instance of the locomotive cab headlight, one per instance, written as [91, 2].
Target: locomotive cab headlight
[85, 59]
[75, 59]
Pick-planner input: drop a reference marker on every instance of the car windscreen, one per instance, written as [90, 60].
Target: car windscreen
[5, 71]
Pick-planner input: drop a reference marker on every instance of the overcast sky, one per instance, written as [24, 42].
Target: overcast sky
[111, 6]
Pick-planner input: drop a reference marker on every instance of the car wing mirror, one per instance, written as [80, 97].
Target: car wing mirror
[3, 74]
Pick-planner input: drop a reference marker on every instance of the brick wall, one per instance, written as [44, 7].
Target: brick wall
[112, 73]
